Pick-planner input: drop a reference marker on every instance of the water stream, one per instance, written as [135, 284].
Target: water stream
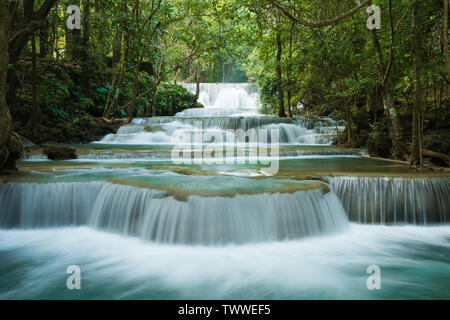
[141, 226]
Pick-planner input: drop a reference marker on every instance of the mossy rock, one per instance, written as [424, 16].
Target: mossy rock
[4, 155]
[58, 152]
[11, 151]
[15, 146]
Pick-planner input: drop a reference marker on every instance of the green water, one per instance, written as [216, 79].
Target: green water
[414, 260]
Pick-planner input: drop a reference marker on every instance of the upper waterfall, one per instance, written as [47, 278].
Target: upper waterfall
[226, 95]
[228, 106]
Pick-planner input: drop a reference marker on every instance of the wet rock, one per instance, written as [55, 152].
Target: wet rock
[59, 152]
[15, 146]
[12, 151]
[4, 155]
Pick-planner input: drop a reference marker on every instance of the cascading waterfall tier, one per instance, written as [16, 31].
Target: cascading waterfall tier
[228, 106]
[394, 200]
[171, 130]
[143, 155]
[225, 123]
[151, 215]
[32, 205]
[226, 95]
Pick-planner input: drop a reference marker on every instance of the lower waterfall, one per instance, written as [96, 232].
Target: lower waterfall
[150, 215]
[39, 205]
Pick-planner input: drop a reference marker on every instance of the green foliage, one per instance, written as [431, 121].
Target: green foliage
[172, 99]
[331, 70]
[54, 92]
[379, 142]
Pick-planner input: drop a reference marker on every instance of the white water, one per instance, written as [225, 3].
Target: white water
[394, 200]
[333, 267]
[175, 132]
[226, 95]
[151, 215]
[142, 243]
[229, 106]
[30, 205]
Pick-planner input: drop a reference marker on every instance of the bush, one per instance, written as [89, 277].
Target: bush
[379, 143]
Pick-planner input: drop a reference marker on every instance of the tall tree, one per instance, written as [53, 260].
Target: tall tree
[416, 46]
[24, 22]
[86, 49]
[5, 117]
[281, 111]
[445, 44]
[384, 77]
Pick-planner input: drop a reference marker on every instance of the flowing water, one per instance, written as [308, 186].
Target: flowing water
[140, 226]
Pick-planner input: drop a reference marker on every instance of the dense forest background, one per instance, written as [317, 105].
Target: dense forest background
[307, 57]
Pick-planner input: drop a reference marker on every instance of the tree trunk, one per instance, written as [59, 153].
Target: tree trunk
[5, 117]
[418, 91]
[395, 131]
[43, 40]
[348, 115]
[281, 111]
[289, 94]
[445, 44]
[123, 66]
[86, 56]
[29, 22]
[197, 85]
[53, 36]
[101, 42]
[116, 48]
[74, 42]
[223, 70]
[35, 106]
[131, 109]
[155, 94]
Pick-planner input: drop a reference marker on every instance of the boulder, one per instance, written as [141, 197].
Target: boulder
[11, 151]
[15, 146]
[59, 152]
[4, 155]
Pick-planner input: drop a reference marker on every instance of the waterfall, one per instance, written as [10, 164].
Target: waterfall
[224, 123]
[225, 95]
[31, 205]
[199, 112]
[228, 106]
[142, 155]
[151, 215]
[394, 200]
[170, 130]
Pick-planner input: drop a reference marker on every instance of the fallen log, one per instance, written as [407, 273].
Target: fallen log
[434, 154]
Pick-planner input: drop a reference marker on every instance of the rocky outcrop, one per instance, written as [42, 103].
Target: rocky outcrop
[59, 152]
[11, 151]
[5, 117]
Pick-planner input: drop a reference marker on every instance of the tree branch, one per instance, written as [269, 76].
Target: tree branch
[316, 24]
